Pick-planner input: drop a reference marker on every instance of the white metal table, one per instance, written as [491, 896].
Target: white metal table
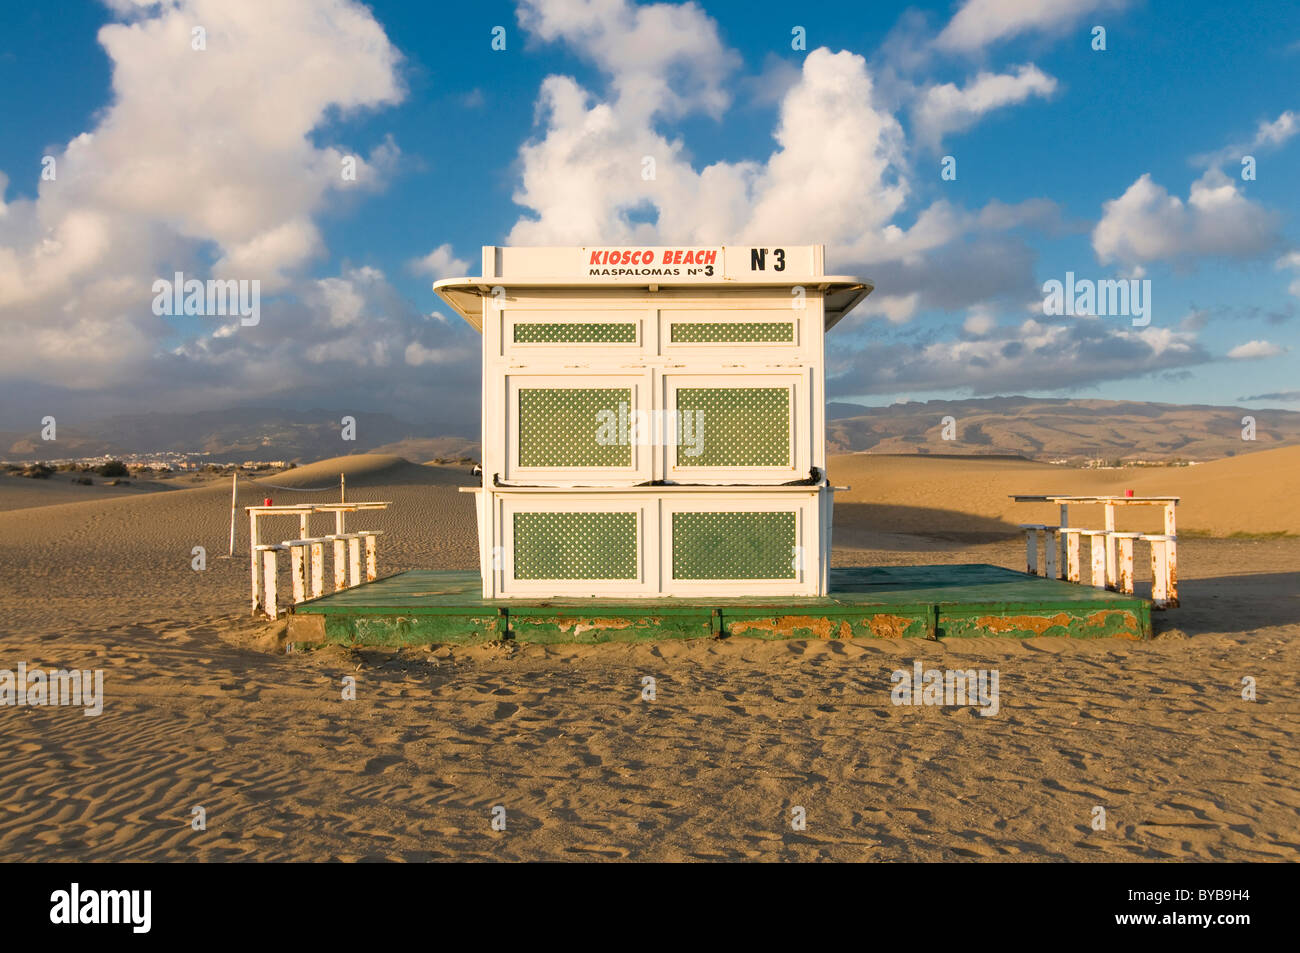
[1168, 543]
[303, 511]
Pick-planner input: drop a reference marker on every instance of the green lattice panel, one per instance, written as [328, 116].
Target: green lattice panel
[610, 332]
[719, 332]
[735, 426]
[575, 545]
[733, 545]
[561, 427]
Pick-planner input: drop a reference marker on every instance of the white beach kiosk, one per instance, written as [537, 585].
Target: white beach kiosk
[654, 467]
[653, 419]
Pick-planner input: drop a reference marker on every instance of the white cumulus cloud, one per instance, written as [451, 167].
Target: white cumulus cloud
[204, 161]
[1146, 223]
[1254, 350]
[440, 263]
[948, 108]
[980, 23]
[1291, 260]
[602, 171]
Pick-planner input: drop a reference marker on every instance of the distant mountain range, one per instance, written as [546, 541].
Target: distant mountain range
[1073, 430]
[1040, 429]
[237, 434]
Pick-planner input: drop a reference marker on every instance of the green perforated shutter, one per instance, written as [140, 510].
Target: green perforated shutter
[609, 332]
[733, 545]
[723, 332]
[572, 427]
[575, 545]
[733, 427]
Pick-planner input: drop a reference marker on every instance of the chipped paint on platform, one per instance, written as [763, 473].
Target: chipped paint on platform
[1003, 624]
[894, 626]
[1116, 624]
[361, 629]
[1108, 623]
[578, 626]
[784, 627]
[410, 629]
[565, 628]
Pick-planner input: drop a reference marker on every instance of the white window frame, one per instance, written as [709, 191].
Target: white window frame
[807, 518]
[647, 539]
[713, 349]
[552, 350]
[800, 461]
[640, 470]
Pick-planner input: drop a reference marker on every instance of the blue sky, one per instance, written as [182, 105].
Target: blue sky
[1123, 162]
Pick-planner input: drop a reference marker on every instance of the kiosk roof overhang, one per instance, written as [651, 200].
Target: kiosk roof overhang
[650, 270]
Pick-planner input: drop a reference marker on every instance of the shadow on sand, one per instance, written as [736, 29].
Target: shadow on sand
[855, 519]
[1231, 604]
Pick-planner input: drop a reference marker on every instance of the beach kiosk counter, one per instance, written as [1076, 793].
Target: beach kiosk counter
[653, 419]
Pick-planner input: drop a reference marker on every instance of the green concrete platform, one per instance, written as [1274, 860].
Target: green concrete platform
[421, 608]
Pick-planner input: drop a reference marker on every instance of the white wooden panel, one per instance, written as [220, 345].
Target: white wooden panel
[640, 454]
[808, 569]
[645, 507]
[720, 349]
[677, 466]
[568, 312]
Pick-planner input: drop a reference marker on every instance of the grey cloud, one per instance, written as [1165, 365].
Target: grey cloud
[1031, 357]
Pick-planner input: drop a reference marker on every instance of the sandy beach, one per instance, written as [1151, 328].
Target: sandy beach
[203, 708]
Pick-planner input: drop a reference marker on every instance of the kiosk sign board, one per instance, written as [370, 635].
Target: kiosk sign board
[641, 263]
[698, 263]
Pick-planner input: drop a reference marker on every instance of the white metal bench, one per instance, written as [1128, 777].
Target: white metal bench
[1124, 571]
[307, 553]
[1070, 543]
[269, 573]
[1164, 582]
[307, 566]
[1100, 540]
[1050, 535]
[1112, 551]
[355, 543]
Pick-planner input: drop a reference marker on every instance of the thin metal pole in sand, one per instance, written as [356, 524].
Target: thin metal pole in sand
[234, 493]
[339, 521]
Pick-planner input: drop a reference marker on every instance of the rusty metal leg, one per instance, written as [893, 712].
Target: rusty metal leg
[269, 572]
[1126, 564]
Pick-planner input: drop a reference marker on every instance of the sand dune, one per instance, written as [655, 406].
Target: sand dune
[1259, 493]
[367, 470]
[942, 496]
[111, 559]
[18, 493]
[738, 734]
[203, 707]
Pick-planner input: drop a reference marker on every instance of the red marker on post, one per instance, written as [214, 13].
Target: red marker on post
[1126, 493]
[267, 501]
